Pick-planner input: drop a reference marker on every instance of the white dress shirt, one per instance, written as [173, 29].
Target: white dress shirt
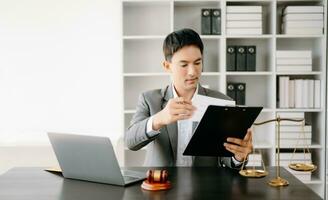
[184, 135]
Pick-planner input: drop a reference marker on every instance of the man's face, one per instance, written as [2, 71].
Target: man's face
[185, 68]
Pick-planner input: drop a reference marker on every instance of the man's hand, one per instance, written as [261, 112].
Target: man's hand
[240, 148]
[175, 109]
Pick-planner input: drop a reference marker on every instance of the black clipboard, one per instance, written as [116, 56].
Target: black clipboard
[217, 124]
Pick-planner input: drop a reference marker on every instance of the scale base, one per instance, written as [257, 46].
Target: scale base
[278, 182]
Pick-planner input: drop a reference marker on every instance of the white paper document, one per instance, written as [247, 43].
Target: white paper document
[201, 103]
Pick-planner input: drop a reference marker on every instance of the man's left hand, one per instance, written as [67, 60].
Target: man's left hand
[240, 147]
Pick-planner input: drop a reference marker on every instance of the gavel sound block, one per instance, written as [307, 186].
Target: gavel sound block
[156, 180]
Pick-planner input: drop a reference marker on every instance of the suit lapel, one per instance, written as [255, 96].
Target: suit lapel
[172, 128]
[201, 90]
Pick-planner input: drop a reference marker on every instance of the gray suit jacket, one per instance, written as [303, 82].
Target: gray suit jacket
[162, 146]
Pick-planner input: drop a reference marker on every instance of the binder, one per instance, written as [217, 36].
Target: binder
[241, 58]
[216, 21]
[240, 93]
[206, 21]
[231, 91]
[251, 58]
[231, 58]
[217, 124]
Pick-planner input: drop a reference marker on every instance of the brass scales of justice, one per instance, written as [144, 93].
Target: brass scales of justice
[278, 180]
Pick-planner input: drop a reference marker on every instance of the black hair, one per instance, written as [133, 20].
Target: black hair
[179, 39]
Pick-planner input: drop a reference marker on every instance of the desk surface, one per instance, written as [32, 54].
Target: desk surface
[188, 183]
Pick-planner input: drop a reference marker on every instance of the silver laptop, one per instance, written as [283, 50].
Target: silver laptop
[90, 158]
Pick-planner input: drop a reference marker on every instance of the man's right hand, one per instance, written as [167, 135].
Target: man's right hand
[175, 109]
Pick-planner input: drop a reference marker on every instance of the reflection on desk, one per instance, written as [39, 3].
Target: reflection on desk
[187, 183]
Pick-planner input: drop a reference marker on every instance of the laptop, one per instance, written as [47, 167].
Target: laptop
[90, 158]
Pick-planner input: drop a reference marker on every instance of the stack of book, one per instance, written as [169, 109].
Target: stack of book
[211, 21]
[244, 20]
[237, 91]
[294, 61]
[302, 20]
[299, 93]
[293, 134]
[288, 158]
[241, 58]
[300, 175]
[254, 160]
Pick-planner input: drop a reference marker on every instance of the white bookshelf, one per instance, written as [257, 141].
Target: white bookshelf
[147, 22]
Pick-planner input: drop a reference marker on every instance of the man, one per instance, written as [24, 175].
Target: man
[161, 115]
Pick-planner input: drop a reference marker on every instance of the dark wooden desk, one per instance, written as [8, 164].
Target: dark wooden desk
[188, 183]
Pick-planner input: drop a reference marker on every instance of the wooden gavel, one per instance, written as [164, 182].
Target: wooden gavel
[157, 176]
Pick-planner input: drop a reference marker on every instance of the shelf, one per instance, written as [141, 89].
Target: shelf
[145, 1]
[129, 111]
[312, 146]
[242, 1]
[144, 74]
[299, 110]
[298, 36]
[297, 2]
[249, 73]
[264, 36]
[313, 181]
[300, 73]
[197, 3]
[210, 73]
[267, 110]
[144, 37]
[210, 37]
[262, 146]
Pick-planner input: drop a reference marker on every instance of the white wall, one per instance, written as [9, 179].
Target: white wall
[60, 70]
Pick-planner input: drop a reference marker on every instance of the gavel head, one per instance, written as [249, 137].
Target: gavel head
[157, 176]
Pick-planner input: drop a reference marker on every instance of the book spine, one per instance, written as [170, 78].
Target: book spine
[302, 17]
[293, 129]
[206, 21]
[292, 143]
[286, 95]
[244, 17]
[244, 31]
[241, 58]
[298, 115]
[296, 135]
[293, 54]
[216, 21]
[231, 91]
[311, 93]
[244, 24]
[298, 93]
[284, 68]
[251, 58]
[231, 58]
[305, 94]
[304, 24]
[317, 94]
[294, 61]
[244, 9]
[291, 94]
[240, 93]
[295, 156]
[303, 9]
[303, 31]
[281, 92]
